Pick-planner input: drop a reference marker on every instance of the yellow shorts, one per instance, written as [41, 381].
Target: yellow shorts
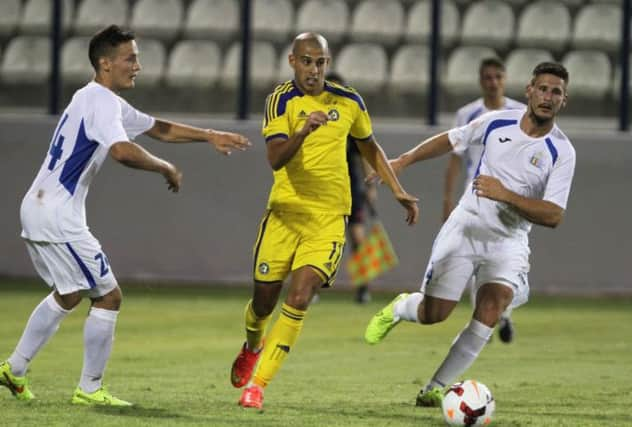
[288, 241]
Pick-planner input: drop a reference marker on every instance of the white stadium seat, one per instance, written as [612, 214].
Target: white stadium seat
[461, 77]
[26, 60]
[418, 24]
[379, 21]
[285, 71]
[410, 69]
[93, 15]
[519, 65]
[363, 66]
[152, 57]
[327, 17]
[75, 63]
[615, 87]
[36, 16]
[263, 70]
[161, 19]
[598, 26]
[544, 24]
[193, 63]
[10, 17]
[589, 73]
[488, 23]
[272, 20]
[517, 3]
[217, 20]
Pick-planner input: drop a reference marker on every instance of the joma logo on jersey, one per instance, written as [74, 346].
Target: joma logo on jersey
[502, 139]
[302, 114]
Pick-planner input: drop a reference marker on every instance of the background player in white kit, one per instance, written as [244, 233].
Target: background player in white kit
[492, 76]
[64, 252]
[523, 177]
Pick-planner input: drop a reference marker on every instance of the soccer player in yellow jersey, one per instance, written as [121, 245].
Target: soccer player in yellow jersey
[305, 126]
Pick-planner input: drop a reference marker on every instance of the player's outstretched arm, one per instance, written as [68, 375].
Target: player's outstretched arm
[537, 211]
[434, 146]
[281, 150]
[174, 132]
[134, 156]
[374, 154]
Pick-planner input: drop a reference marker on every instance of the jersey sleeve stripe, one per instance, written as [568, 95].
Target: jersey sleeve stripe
[365, 139]
[346, 92]
[474, 114]
[277, 135]
[279, 98]
[552, 149]
[494, 124]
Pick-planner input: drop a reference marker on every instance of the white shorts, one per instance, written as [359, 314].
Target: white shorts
[75, 266]
[463, 250]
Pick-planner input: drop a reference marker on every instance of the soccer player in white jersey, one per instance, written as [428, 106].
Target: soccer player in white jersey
[492, 77]
[523, 177]
[97, 122]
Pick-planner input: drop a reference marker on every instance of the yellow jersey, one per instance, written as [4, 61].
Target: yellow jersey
[316, 179]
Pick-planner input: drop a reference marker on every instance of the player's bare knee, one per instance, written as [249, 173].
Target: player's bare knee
[263, 308]
[299, 300]
[68, 301]
[110, 301]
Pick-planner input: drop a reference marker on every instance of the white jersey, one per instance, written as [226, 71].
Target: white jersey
[472, 111]
[537, 168]
[53, 210]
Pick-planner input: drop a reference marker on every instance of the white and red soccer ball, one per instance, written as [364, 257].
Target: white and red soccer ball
[468, 403]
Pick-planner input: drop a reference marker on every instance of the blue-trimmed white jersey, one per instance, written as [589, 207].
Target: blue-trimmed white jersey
[472, 111]
[53, 210]
[537, 168]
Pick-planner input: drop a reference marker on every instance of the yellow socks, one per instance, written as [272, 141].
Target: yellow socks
[279, 342]
[255, 327]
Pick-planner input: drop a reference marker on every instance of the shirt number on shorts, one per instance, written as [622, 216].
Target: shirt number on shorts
[105, 265]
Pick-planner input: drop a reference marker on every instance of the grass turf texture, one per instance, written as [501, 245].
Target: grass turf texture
[570, 364]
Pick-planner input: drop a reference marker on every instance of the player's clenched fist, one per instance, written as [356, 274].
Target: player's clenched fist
[315, 120]
[490, 188]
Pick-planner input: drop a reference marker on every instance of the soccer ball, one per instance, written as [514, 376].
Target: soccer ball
[468, 403]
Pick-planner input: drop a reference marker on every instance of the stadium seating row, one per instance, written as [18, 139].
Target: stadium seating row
[551, 24]
[201, 64]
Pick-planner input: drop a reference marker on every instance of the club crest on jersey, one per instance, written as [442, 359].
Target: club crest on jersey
[536, 160]
[264, 268]
[333, 115]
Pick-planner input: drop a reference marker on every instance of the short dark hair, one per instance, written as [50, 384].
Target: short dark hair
[554, 68]
[103, 42]
[335, 77]
[491, 61]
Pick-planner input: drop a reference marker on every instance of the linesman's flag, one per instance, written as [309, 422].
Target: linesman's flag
[374, 257]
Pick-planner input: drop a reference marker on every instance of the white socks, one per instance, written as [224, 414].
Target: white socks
[98, 335]
[465, 349]
[42, 325]
[406, 308]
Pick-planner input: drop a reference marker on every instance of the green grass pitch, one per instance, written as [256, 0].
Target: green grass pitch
[570, 364]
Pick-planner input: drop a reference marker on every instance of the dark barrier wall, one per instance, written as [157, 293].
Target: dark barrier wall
[205, 233]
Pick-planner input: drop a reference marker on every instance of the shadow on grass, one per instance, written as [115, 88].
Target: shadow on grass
[140, 412]
[403, 412]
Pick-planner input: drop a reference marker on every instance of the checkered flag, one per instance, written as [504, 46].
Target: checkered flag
[374, 257]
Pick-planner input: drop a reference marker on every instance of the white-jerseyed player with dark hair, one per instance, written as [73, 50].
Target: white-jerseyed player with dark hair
[523, 177]
[97, 122]
[492, 76]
